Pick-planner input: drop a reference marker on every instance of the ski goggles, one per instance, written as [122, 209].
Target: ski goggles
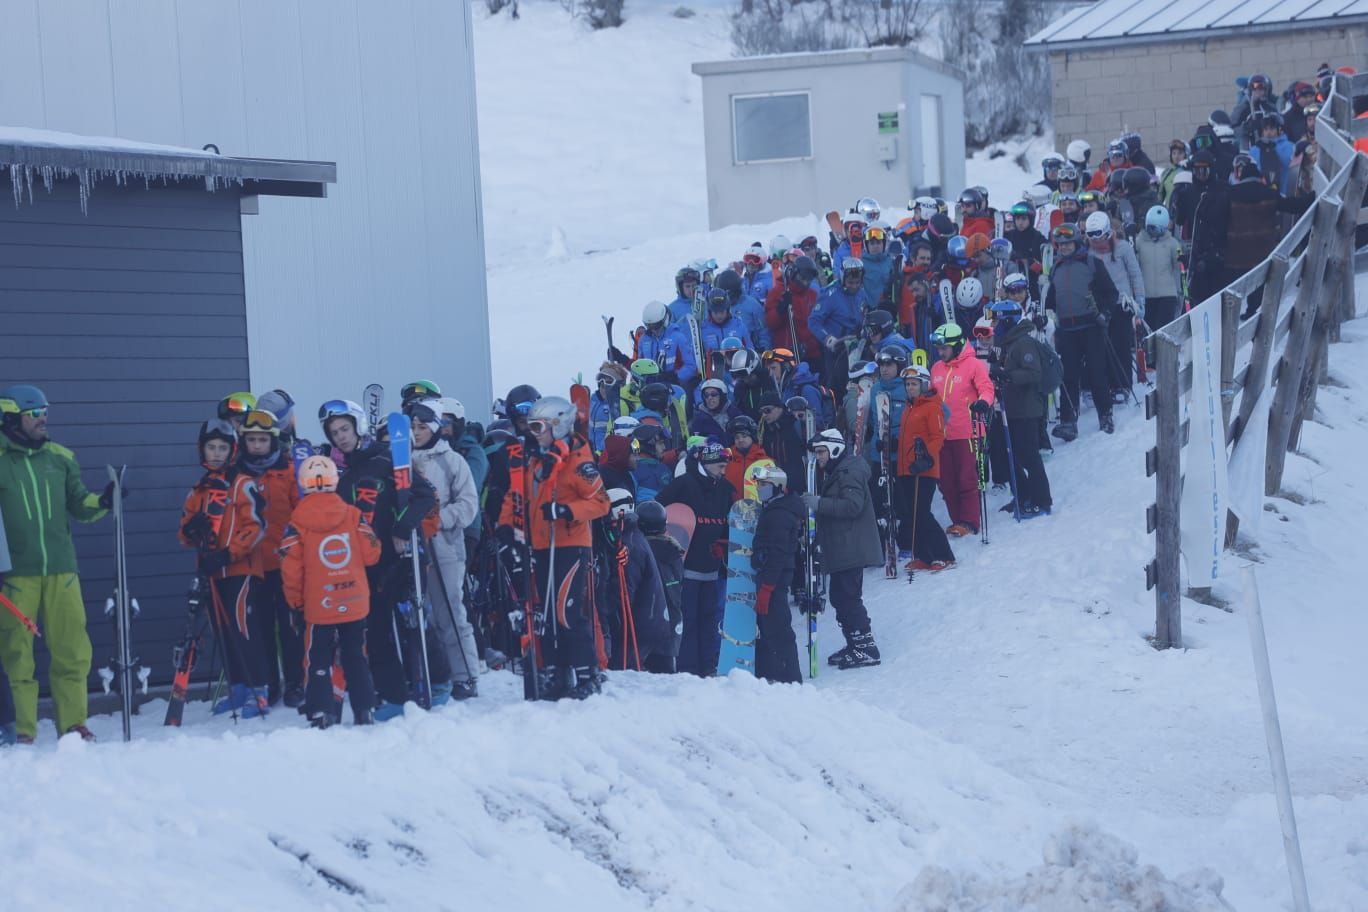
[335, 408]
[1098, 234]
[606, 379]
[753, 259]
[522, 408]
[260, 422]
[782, 355]
[419, 389]
[539, 426]
[236, 404]
[39, 412]
[1016, 285]
[876, 234]
[1065, 234]
[1089, 196]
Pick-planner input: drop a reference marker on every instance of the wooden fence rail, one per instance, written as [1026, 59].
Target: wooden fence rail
[1307, 288]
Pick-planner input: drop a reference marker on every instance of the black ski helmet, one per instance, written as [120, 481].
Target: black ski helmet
[686, 274]
[1244, 167]
[656, 397]
[219, 429]
[727, 279]
[1136, 180]
[742, 424]
[805, 269]
[650, 517]
[880, 321]
[520, 398]
[1117, 182]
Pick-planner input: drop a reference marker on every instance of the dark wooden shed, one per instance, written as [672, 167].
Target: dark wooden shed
[122, 297]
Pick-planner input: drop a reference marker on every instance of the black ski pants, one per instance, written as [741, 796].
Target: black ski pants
[776, 650]
[324, 642]
[846, 591]
[239, 633]
[283, 641]
[927, 541]
[1121, 358]
[567, 632]
[1083, 350]
[701, 606]
[1032, 484]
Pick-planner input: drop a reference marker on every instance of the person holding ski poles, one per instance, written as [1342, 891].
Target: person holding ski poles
[961, 381]
[40, 492]
[566, 496]
[920, 445]
[1017, 373]
[774, 559]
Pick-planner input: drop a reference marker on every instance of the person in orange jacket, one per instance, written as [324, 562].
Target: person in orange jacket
[222, 520]
[1118, 159]
[566, 495]
[921, 437]
[323, 559]
[746, 452]
[263, 459]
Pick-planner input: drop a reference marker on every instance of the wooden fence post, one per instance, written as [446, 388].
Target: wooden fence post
[1293, 364]
[1263, 344]
[1232, 302]
[1168, 595]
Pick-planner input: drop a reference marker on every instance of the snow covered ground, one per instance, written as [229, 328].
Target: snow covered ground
[1022, 747]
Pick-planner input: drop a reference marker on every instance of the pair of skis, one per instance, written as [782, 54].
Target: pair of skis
[884, 409]
[122, 608]
[814, 597]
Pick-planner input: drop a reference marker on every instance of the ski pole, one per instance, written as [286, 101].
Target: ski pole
[1011, 463]
[916, 519]
[423, 668]
[451, 611]
[19, 616]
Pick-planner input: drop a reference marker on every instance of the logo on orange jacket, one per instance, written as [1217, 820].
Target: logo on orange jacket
[335, 551]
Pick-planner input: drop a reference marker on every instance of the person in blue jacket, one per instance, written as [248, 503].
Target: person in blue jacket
[713, 410]
[891, 360]
[837, 316]
[722, 323]
[750, 310]
[687, 281]
[605, 404]
[665, 343]
[1273, 142]
[757, 279]
[853, 246]
[794, 378]
[878, 264]
[652, 472]
[881, 333]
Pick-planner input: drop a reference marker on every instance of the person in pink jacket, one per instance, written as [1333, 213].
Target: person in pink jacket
[962, 381]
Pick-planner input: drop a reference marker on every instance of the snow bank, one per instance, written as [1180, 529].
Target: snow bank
[1084, 871]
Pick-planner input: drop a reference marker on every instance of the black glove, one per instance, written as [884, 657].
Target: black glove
[198, 530]
[215, 560]
[1102, 319]
[505, 536]
[1040, 321]
[979, 406]
[554, 511]
[107, 498]
[616, 354]
[786, 302]
[998, 373]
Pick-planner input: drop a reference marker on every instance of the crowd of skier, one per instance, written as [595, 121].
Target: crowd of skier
[781, 425]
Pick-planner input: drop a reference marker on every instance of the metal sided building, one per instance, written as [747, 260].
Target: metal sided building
[1160, 67]
[384, 282]
[793, 134]
[122, 296]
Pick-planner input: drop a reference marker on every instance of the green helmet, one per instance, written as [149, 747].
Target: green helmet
[418, 389]
[949, 334]
[645, 367]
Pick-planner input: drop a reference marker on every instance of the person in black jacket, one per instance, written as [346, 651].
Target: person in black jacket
[783, 520]
[1083, 298]
[1016, 376]
[635, 596]
[782, 441]
[669, 559]
[705, 490]
[368, 485]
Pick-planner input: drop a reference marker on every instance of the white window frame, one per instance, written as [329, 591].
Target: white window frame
[736, 152]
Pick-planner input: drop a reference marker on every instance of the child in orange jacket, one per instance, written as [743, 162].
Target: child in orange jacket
[921, 436]
[323, 559]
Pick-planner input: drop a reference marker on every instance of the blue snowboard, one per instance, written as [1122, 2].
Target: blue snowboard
[738, 619]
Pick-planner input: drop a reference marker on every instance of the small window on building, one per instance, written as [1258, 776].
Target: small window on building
[767, 128]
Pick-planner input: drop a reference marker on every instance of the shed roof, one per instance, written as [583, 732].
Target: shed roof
[1117, 22]
[50, 155]
[803, 61]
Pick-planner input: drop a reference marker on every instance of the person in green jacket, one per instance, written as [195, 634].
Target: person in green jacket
[40, 489]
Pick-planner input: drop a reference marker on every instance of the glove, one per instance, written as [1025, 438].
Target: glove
[554, 511]
[107, 498]
[810, 501]
[1128, 304]
[1102, 320]
[622, 555]
[998, 374]
[980, 407]
[1035, 268]
[215, 560]
[786, 302]
[616, 354]
[1040, 321]
[718, 549]
[198, 529]
[831, 343]
[505, 535]
[762, 598]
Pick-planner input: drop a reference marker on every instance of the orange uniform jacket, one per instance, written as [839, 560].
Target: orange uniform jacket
[241, 527]
[925, 419]
[324, 555]
[282, 496]
[736, 468]
[577, 484]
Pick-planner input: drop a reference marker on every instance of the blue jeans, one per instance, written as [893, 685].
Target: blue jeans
[701, 603]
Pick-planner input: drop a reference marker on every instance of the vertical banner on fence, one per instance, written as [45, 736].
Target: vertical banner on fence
[1205, 492]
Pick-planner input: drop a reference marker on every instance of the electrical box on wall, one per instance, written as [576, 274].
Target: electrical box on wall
[886, 149]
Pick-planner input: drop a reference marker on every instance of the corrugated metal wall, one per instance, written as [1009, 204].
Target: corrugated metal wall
[130, 318]
[384, 280]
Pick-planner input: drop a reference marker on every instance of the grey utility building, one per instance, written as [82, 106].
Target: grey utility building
[122, 297]
[793, 134]
[1160, 67]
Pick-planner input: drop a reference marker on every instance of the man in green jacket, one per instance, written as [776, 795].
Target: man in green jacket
[40, 487]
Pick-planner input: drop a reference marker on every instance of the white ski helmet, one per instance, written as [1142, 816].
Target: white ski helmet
[831, 439]
[713, 384]
[1079, 151]
[655, 314]
[625, 425]
[620, 502]
[343, 408]
[557, 412]
[1098, 225]
[1037, 195]
[1015, 280]
[779, 245]
[769, 481]
[969, 293]
[453, 407]
[854, 218]
[925, 207]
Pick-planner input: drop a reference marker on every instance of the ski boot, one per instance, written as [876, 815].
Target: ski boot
[464, 690]
[494, 659]
[235, 699]
[441, 693]
[321, 720]
[8, 734]
[257, 703]
[862, 652]
[586, 685]
[551, 687]
[85, 733]
[1031, 511]
[1106, 424]
[1066, 431]
[293, 696]
[839, 656]
[386, 711]
[364, 717]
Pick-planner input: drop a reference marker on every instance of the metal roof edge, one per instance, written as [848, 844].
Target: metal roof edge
[265, 172]
[805, 59]
[1092, 44]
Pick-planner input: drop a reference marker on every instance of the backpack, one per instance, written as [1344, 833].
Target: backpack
[1051, 367]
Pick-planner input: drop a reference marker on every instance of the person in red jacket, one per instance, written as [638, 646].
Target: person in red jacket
[565, 496]
[222, 521]
[263, 459]
[788, 304]
[324, 554]
[920, 440]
